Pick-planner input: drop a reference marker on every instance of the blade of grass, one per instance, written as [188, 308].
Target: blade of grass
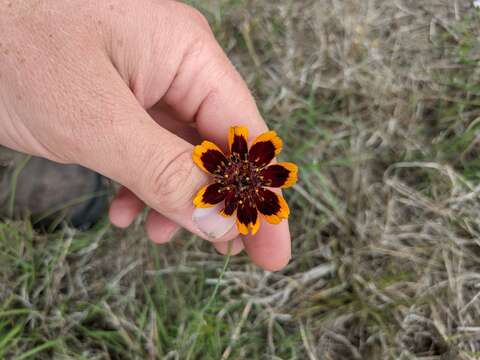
[8, 337]
[38, 349]
[210, 301]
[14, 180]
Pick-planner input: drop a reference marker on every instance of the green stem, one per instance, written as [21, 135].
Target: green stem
[210, 300]
[217, 285]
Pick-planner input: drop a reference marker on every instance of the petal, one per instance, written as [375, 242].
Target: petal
[210, 195]
[209, 157]
[230, 204]
[237, 140]
[242, 228]
[264, 148]
[256, 225]
[247, 218]
[272, 206]
[280, 175]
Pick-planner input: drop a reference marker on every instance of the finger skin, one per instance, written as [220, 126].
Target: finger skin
[166, 118]
[237, 247]
[159, 228]
[124, 208]
[263, 247]
[126, 205]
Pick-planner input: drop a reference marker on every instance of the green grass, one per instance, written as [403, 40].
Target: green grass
[63, 299]
[378, 102]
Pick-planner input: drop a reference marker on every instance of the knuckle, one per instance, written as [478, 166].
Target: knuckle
[171, 183]
[201, 21]
[196, 17]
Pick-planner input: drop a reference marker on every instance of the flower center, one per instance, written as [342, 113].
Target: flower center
[241, 177]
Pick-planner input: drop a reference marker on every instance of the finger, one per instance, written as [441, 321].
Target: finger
[262, 247]
[210, 92]
[159, 228]
[124, 208]
[166, 118]
[237, 247]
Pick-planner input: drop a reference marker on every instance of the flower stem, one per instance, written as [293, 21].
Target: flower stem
[210, 301]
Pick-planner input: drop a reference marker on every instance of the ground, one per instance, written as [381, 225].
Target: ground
[378, 102]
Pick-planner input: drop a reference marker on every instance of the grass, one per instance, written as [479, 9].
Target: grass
[378, 102]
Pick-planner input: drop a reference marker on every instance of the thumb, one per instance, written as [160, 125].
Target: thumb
[132, 149]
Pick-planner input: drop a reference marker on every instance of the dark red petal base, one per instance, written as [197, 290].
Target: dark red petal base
[213, 160]
[274, 175]
[261, 153]
[239, 146]
[230, 203]
[267, 202]
[214, 194]
[247, 214]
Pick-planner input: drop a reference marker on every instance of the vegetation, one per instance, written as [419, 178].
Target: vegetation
[378, 101]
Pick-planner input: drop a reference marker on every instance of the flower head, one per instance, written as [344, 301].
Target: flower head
[240, 178]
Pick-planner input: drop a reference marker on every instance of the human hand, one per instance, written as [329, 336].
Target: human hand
[125, 88]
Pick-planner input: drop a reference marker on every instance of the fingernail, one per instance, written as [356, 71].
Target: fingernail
[211, 223]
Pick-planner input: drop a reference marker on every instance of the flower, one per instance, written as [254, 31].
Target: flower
[241, 178]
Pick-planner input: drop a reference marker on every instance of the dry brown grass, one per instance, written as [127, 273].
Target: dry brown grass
[382, 97]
